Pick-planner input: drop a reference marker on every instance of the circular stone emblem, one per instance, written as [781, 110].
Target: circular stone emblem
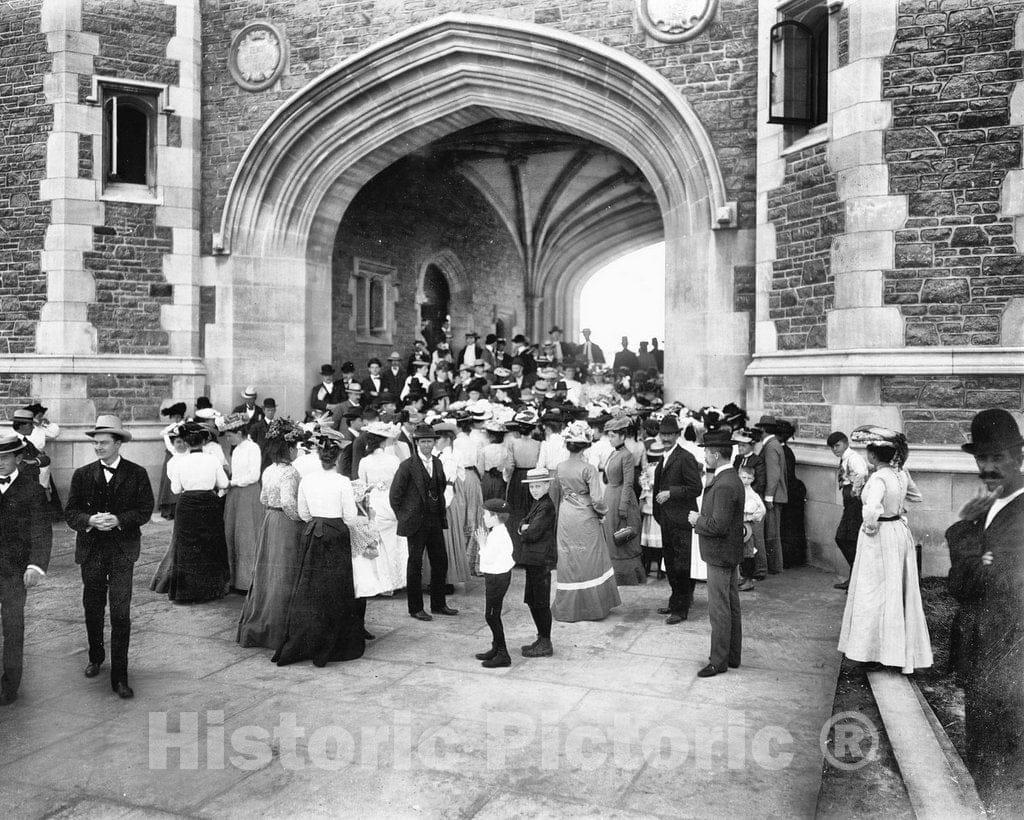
[257, 56]
[674, 21]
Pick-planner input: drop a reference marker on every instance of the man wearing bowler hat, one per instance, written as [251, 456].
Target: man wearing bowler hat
[25, 541]
[719, 524]
[775, 491]
[677, 484]
[109, 501]
[986, 549]
[417, 497]
[328, 392]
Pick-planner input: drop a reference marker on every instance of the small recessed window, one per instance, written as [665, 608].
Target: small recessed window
[130, 119]
[798, 67]
[373, 292]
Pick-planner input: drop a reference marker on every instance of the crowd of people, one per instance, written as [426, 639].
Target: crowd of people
[401, 478]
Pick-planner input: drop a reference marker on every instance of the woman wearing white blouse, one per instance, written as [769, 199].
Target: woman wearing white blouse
[198, 567]
[324, 621]
[243, 512]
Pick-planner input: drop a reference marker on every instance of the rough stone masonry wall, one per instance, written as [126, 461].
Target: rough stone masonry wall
[950, 77]
[388, 222]
[801, 401]
[24, 125]
[133, 39]
[130, 286]
[132, 398]
[939, 409]
[807, 215]
[716, 72]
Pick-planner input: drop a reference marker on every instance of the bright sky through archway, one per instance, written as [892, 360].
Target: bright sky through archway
[626, 298]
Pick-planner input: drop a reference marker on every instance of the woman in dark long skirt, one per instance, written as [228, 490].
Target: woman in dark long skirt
[198, 566]
[791, 522]
[325, 619]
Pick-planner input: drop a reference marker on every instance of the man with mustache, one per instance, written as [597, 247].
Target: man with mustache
[986, 548]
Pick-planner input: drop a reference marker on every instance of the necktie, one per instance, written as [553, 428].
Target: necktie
[109, 471]
[5, 480]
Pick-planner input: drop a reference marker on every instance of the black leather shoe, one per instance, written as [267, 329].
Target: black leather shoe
[445, 610]
[664, 610]
[709, 671]
[486, 656]
[124, 691]
[7, 697]
[733, 665]
[368, 636]
[421, 616]
[675, 618]
[92, 670]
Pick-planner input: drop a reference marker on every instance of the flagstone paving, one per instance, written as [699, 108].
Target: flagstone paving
[615, 724]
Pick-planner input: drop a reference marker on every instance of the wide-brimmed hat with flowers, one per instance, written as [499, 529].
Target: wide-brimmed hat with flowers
[578, 432]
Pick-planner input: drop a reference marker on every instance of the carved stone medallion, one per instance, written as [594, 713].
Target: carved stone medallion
[258, 56]
[674, 21]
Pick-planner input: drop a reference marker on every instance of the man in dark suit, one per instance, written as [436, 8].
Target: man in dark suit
[374, 382]
[626, 358]
[25, 541]
[417, 497]
[987, 578]
[109, 501]
[719, 525]
[359, 443]
[393, 377]
[775, 495]
[473, 348]
[677, 485]
[753, 569]
[248, 406]
[329, 392]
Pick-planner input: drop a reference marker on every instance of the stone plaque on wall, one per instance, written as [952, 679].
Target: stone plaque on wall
[258, 56]
[674, 21]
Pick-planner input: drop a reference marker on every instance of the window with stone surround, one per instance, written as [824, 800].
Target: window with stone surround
[798, 68]
[373, 297]
[130, 131]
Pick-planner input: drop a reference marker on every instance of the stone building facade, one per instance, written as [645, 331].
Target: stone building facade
[311, 168]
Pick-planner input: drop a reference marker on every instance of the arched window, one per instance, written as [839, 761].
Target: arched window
[130, 121]
[373, 295]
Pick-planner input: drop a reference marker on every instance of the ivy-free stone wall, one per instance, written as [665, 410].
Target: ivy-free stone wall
[950, 78]
[131, 398]
[801, 401]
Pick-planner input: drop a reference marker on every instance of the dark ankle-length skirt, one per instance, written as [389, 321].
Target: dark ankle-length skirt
[198, 568]
[324, 621]
[167, 501]
[262, 622]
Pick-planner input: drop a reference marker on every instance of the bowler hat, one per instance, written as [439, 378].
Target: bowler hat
[424, 431]
[555, 329]
[669, 424]
[993, 431]
[269, 403]
[11, 444]
[111, 425]
[718, 438]
[768, 423]
[326, 370]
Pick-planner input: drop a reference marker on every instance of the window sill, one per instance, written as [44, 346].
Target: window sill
[816, 136]
[122, 192]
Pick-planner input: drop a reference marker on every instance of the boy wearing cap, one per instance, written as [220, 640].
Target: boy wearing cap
[496, 564]
[25, 541]
[109, 501]
[537, 551]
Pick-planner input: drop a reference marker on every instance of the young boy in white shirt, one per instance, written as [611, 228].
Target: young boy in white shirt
[496, 566]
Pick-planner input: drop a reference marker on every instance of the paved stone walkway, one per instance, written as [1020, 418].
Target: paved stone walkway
[615, 724]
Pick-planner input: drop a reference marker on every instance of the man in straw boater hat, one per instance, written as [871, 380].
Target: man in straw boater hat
[25, 541]
[986, 548]
[109, 501]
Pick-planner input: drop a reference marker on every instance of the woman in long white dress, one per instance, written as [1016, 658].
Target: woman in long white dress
[884, 620]
[377, 468]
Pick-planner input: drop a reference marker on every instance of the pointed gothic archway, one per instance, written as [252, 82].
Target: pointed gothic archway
[310, 158]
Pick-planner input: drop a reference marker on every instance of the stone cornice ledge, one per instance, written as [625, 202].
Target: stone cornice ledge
[901, 361]
[45, 363]
[924, 458]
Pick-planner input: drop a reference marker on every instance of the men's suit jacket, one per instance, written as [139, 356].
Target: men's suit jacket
[720, 525]
[537, 545]
[371, 390]
[595, 353]
[774, 471]
[128, 495]
[478, 351]
[25, 532]
[680, 475]
[257, 412]
[30, 459]
[627, 359]
[393, 382]
[336, 395]
[754, 462]
[417, 498]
